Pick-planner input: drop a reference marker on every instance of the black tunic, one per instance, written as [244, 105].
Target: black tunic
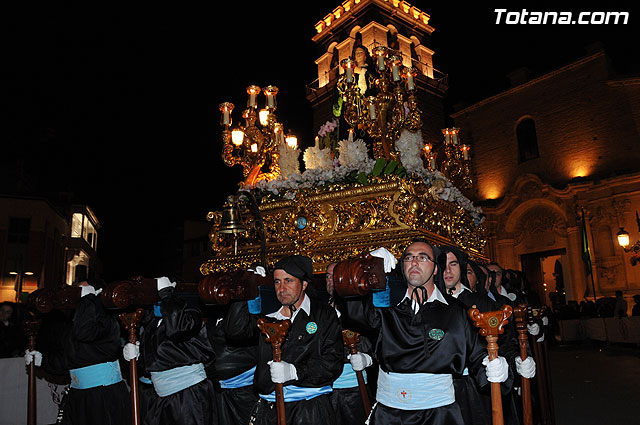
[404, 346]
[178, 339]
[316, 356]
[94, 338]
[232, 359]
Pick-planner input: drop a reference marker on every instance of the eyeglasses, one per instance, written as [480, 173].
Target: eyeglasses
[421, 258]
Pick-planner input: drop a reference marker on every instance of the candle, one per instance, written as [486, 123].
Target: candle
[348, 64]
[395, 68]
[252, 91]
[351, 134]
[381, 53]
[454, 132]
[447, 136]
[432, 161]
[427, 148]
[317, 142]
[410, 84]
[465, 152]
[226, 109]
[270, 92]
[372, 110]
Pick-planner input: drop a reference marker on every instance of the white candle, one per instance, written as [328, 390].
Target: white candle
[225, 117]
[252, 100]
[270, 103]
[410, 84]
[351, 134]
[317, 142]
[455, 138]
[372, 111]
[432, 162]
[380, 63]
[349, 73]
[395, 71]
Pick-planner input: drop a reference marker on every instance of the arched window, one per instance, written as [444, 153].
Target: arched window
[527, 140]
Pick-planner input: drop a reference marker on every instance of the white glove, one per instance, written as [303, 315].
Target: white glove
[282, 372]
[164, 282]
[389, 260]
[534, 329]
[131, 351]
[545, 321]
[541, 339]
[360, 361]
[88, 289]
[526, 368]
[32, 356]
[497, 369]
[259, 271]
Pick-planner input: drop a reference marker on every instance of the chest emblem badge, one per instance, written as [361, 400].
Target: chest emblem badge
[436, 334]
[312, 328]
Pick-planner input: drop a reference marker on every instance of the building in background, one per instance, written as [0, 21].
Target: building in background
[43, 245]
[548, 150]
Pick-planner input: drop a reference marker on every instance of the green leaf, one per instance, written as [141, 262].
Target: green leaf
[378, 167]
[401, 171]
[362, 178]
[390, 167]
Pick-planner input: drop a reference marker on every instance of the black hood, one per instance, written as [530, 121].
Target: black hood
[462, 257]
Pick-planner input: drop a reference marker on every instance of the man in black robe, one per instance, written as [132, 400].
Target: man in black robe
[98, 394]
[311, 353]
[423, 342]
[346, 399]
[175, 349]
[234, 369]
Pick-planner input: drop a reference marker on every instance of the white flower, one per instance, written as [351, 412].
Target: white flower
[352, 155]
[288, 161]
[315, 157]
[410, 146]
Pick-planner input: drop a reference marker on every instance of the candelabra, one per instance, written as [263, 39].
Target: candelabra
[457, 164]
[392, 109]
[255, 148]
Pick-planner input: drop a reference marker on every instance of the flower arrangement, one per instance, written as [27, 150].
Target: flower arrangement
[354, 165]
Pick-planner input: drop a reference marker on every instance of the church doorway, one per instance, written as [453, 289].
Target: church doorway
[548, 277]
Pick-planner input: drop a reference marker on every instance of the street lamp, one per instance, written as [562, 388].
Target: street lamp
[623, 238]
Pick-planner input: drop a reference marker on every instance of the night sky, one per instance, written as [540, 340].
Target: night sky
[119, 104]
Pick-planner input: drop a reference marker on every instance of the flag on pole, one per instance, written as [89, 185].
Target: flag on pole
[586, 255]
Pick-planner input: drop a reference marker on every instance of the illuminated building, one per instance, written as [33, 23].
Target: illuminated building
[547, 149]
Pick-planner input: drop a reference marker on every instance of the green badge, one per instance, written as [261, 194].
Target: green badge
[436, 334]
[312, 327]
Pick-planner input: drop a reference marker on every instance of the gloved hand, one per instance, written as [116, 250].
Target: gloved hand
[534, 329]
[259, 270]
[526, 368]
[389, 260]
[541, 339]
[545, 321]
[282, 372]
[360, 361]
[131, 351]
[32, 356]
[497, 369]
[88, 289]
[164, 282]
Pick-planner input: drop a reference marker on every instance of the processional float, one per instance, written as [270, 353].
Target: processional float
[344, 205]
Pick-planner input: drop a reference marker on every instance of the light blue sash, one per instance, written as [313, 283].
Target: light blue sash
[96, 375]
[243, 380]
[348, 377]
[415, 391]
[177, 379]
[293, 393]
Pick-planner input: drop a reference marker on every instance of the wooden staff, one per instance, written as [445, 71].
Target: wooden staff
[491, 325]
[532, 317]
[544, 312]
[31, 328]
[131, 322]
[276, 333]
[521, 326]
[350, 339]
